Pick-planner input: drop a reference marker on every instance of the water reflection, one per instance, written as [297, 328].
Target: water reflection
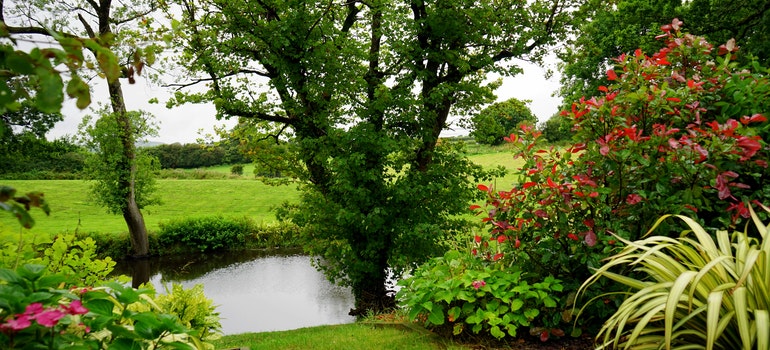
[255, 291]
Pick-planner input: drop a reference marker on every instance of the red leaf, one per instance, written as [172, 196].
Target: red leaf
[611, 75]
[474, 207]
[497, 257]
[603, 88]
[483, 187]
[544, 336]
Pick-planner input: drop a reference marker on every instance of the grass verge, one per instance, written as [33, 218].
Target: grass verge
[355, 336]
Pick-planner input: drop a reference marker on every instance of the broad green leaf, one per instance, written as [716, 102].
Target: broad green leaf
[50, 95]
[19, 62]
[436, 316]
[78, 89]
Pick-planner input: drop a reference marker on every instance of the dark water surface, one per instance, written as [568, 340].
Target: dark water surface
[255, 291]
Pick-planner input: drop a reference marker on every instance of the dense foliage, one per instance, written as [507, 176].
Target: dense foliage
[499, 120]
[194, 155]
[55, 294]
[106, 164]
[677, 132]
[363, 90]
[610, 29]
[693, 289]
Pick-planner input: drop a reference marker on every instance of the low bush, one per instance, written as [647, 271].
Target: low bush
[204, 234]
[462, 294]
[691, 290]
[195, 174]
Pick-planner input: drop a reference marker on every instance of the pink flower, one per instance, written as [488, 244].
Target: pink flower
[17, 324]
[33, 309]
[76, 308]
[633, 198]
[49, 318]
[478, 284]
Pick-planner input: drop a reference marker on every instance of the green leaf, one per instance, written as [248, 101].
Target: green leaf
[436, 316]
[516, 304]
[20, 62]
[50, 95]
[100, 306]
[77, 88]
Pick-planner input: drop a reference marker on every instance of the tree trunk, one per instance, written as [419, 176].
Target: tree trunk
[131, 213]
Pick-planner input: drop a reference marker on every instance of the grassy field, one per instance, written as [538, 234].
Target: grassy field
[71, 208]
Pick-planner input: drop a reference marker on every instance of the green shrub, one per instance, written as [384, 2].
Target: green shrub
[204, 234]
[194, 310]
[461, 293]
[236, 169]
[692, 290]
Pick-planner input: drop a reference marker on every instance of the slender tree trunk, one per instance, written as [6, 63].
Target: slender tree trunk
[131, 213]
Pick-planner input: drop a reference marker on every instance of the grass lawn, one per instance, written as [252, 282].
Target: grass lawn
[71, 208]
[355, 336]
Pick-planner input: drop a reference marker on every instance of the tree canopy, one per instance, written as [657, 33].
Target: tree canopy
[500, 119]
[362, 91]
[609, 29]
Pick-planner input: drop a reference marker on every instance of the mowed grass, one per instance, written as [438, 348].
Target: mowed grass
[356, 336]
[72, 208]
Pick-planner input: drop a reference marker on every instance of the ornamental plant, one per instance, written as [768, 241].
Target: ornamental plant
[673, 132]
[462, 294]
[693, 289]
[35, 312]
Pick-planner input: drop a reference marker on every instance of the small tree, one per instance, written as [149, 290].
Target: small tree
[499, 120]
[112, 170]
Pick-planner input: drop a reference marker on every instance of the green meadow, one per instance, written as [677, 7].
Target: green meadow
[73, 210]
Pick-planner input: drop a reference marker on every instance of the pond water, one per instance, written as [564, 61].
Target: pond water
[254, 291]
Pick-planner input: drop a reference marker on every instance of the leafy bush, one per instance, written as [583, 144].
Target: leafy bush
[77, 259]
[194, 310]
[692, 290]
[36, 313]
[236, 169]
[462, 293]
[668, 135]
[204, 234]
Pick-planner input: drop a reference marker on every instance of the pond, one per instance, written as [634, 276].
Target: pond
[255, 291]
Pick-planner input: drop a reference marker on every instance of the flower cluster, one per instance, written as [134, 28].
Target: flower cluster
[45, 316]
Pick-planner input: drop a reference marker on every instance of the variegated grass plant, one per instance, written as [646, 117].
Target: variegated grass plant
[695, 294]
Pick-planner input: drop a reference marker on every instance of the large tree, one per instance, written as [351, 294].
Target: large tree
[363, 89]
[611, 28]
[72, 23]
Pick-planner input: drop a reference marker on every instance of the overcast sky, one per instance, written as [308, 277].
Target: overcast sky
[188, 123]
